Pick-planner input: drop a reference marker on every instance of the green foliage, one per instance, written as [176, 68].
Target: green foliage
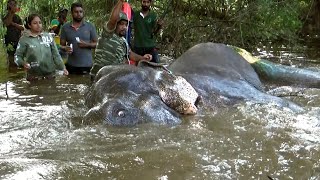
[276, 20]
[243, 23]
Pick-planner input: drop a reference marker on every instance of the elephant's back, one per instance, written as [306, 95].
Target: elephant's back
[216, 60]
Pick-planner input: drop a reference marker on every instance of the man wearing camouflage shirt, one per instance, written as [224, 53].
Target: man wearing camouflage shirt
[112, 47]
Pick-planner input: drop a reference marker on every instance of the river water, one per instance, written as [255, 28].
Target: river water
[41, 137]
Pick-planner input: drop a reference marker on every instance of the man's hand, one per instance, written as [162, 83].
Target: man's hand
[26, 66]
[68, 49]
[147, 57]
[65, 72]
[82, 44]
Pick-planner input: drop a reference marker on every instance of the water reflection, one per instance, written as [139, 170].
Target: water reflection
[293, 55]
[42, 138]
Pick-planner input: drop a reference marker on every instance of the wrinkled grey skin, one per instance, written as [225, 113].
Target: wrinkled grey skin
[126, 95]
[222, 76]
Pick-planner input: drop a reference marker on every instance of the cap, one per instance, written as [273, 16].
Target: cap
[122, 16]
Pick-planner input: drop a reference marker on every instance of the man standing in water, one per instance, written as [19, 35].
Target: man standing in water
[81, 38]
[57, 23]
[14, 27]
[146, 26]
[112, 47]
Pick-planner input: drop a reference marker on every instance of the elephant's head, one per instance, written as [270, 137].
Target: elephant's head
[128, 95]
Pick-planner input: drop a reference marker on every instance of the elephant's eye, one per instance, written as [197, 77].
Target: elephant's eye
[121, 113]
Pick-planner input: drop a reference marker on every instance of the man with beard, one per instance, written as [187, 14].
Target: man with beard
[146, 26]
[112, 47]
[78, 38]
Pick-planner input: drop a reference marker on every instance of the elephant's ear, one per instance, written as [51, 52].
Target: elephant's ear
[93, 116]
[177, 93]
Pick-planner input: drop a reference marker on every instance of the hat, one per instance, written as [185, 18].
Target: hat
[122, 16]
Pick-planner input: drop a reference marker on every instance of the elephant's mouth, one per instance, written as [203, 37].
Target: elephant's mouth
[155, 110]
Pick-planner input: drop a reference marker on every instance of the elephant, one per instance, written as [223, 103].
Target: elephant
[128, 95]
[208, 76]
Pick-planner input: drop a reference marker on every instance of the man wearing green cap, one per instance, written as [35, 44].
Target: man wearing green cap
[112, 47]
[57, 23]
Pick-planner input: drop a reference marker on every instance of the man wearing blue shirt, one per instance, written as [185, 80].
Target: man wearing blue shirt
[78, 38]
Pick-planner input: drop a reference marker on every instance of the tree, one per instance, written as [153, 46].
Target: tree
[243, 23]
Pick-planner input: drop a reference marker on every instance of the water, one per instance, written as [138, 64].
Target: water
[41, 137]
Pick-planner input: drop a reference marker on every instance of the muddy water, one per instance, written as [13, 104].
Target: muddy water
[41, 137]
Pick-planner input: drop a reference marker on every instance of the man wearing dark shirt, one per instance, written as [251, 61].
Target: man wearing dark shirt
[14, 27]
[146, 25]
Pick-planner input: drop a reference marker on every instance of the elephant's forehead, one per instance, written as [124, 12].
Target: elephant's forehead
[132, 99]
[136, 82]
[129, 77]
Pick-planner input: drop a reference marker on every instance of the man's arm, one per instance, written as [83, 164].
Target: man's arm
[90, 45]
[18, 26]
[7, 20]
[63, 41]
[111, 24]
[94, 39]
[137, 57]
